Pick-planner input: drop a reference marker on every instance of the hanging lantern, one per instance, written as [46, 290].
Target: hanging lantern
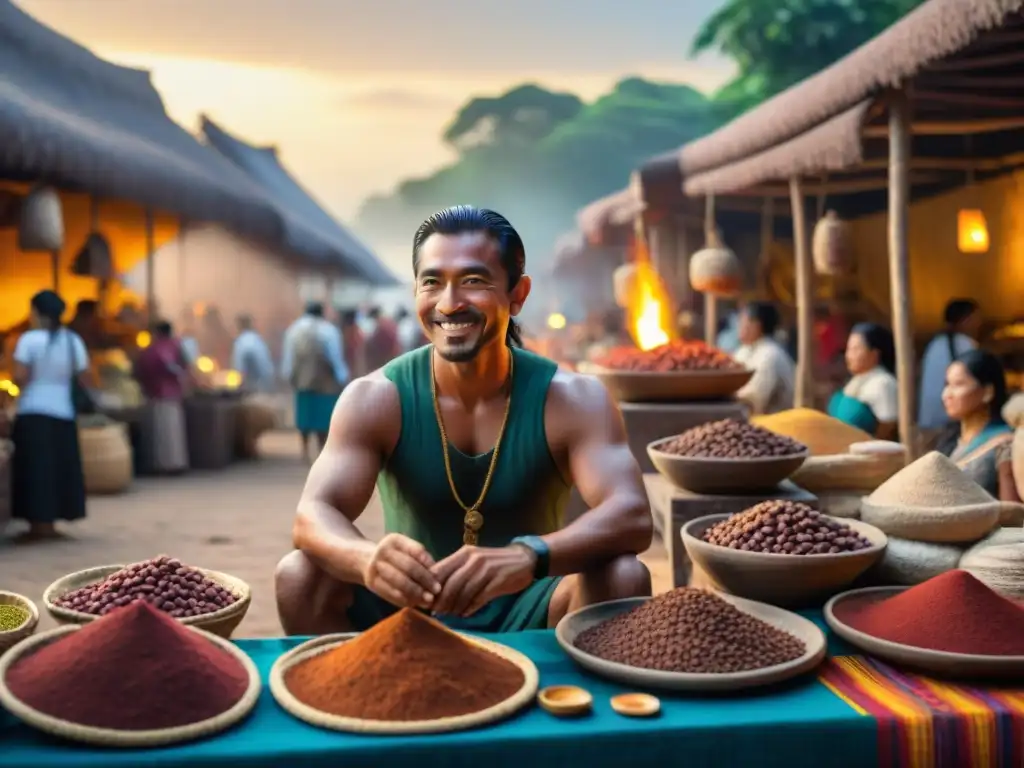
[831, 247]
[41, 223]
[715, 269]
[972, 231]
[624, 284]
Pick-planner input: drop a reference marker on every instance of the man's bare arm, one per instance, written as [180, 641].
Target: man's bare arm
[342, 479]
[609, 480]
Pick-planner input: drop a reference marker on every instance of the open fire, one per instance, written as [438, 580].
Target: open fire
[649, 314]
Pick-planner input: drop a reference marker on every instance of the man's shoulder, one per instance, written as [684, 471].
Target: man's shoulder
[575, 392]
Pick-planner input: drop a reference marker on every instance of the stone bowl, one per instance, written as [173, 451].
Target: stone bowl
[784, 580]
[712, 475]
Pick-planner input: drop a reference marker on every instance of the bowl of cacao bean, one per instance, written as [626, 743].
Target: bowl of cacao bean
[209, 600]
[782, 552]
[727, 456]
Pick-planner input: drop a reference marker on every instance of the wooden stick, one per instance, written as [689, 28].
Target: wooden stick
[899, 258]
[764, 262]
[710, 300]
[968, 99]
[950, 127]
[150, 267]
[804, 299]
[993, 61]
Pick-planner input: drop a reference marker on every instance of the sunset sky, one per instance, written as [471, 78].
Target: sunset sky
[355, 94]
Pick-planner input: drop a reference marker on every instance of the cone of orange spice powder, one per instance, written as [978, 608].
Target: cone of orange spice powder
[407, 668]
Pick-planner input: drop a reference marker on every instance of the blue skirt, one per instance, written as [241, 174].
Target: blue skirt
[313, 411]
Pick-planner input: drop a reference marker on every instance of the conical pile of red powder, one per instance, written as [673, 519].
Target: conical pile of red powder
[953, 612]
[135, 669]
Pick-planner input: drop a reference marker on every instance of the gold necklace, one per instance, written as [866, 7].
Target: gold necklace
[473, 520]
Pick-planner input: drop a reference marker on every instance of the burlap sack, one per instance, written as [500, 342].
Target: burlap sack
[998, 560]
[907, 563]
[932, 500]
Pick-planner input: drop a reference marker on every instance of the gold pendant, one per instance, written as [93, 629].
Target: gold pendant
[473, 521]
[469, 538]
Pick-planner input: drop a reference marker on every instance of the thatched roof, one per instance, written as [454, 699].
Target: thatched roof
[934, 31]
[81, 123]
[308, 229]
[615, 210]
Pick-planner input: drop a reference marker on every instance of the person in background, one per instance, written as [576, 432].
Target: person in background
[410, 334]
[163, 373]
[250, 356]
[728, 339]
[870, 399]
[46, 468]
[962, 319]
[382, 345]
[771, 387]
[314, 364]
[366, 319]
[187, 338]
[353, 342]
[979, 441]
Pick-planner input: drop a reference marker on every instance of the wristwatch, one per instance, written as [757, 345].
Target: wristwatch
[540, 549]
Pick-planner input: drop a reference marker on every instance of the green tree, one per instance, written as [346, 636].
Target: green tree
[778, 43]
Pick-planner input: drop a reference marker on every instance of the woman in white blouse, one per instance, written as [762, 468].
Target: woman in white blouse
[870, 400]
[46, 469]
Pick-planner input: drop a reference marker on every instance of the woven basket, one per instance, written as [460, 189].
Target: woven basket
[847, 472]
[13, 636]
[108, 737]
[221, 623]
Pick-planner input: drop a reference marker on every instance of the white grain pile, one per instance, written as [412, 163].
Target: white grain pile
[998, 560]
[845, 504]
[932, 500]
[908, 563]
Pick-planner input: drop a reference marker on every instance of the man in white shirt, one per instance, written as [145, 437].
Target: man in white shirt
[771, 388]
[250, 356]
[963, 322]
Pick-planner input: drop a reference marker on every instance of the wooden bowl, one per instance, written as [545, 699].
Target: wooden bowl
[709, 475]
[789, 580]
[960, 665]
[10, 637]
[221, 623]
[636, 704]
[565, 700]
[677, 386]
[570, 627]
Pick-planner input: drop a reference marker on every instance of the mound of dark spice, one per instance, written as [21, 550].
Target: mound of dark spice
[408, 667]
[730, 439]
[133, 670]
[690, 630]
[953, 612]
[785, 528]
[163, 582]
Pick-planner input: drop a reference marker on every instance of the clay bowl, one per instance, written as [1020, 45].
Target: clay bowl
[706, 475]
[787, 580]
[677, 386]
[943, 663]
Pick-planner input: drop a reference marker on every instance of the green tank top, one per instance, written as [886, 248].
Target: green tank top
[527, 496]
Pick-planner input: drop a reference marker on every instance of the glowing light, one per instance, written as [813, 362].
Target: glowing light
[556, 321]
[232, 379]
[143, 339]
[972, 231]
[206, 364]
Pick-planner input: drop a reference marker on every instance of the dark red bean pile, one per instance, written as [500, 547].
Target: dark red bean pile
[163, 582]
[785, 528]
[730, 439]
[690, 630]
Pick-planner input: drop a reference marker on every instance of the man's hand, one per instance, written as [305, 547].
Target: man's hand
[400, 572]
[474, 576]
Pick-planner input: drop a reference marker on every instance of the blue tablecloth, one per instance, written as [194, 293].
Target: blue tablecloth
[798, 724]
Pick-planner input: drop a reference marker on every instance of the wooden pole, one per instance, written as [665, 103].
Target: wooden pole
[764, 262]
[710, 300]
[804, 299]
[150, 268]
[55, 265]
[899, 258]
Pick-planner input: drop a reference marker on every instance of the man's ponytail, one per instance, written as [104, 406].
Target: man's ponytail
[514, 336]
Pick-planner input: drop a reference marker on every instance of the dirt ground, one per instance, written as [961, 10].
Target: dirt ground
[237, 521]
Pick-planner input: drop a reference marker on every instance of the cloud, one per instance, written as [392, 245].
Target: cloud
[398, 99]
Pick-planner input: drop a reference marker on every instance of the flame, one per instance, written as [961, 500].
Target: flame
[649, 308]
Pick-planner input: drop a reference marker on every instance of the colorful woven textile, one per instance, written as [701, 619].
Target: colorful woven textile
[924, 723]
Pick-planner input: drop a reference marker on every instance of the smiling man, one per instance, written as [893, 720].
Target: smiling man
[474, 445]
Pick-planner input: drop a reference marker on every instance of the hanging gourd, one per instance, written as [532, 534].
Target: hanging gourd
[41, 223]
[624, 283]
[715, 269]
[831, 246]
[94, 258]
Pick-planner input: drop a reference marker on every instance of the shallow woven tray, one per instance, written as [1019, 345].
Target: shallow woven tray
[571, 626]
[222, 622]
[966, 665]
[520, 699]
[12, 636]
[108, 737]
[675, 386]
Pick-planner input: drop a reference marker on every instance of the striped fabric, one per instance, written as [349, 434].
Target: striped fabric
[924, 723]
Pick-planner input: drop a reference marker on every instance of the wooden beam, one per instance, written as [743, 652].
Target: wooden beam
[710, 300]
[837, 187]
[949, 163]
[804, 299]
[899, 260]
[968, 99]
[951, 127]
[150, 267]
[969, 82]
[987, 61]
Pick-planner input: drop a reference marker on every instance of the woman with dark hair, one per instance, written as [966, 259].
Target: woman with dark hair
[46, 469]
[962, 321]
[870, 399]
[980, 440]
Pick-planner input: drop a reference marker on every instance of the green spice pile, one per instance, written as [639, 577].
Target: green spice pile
[12, 617]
